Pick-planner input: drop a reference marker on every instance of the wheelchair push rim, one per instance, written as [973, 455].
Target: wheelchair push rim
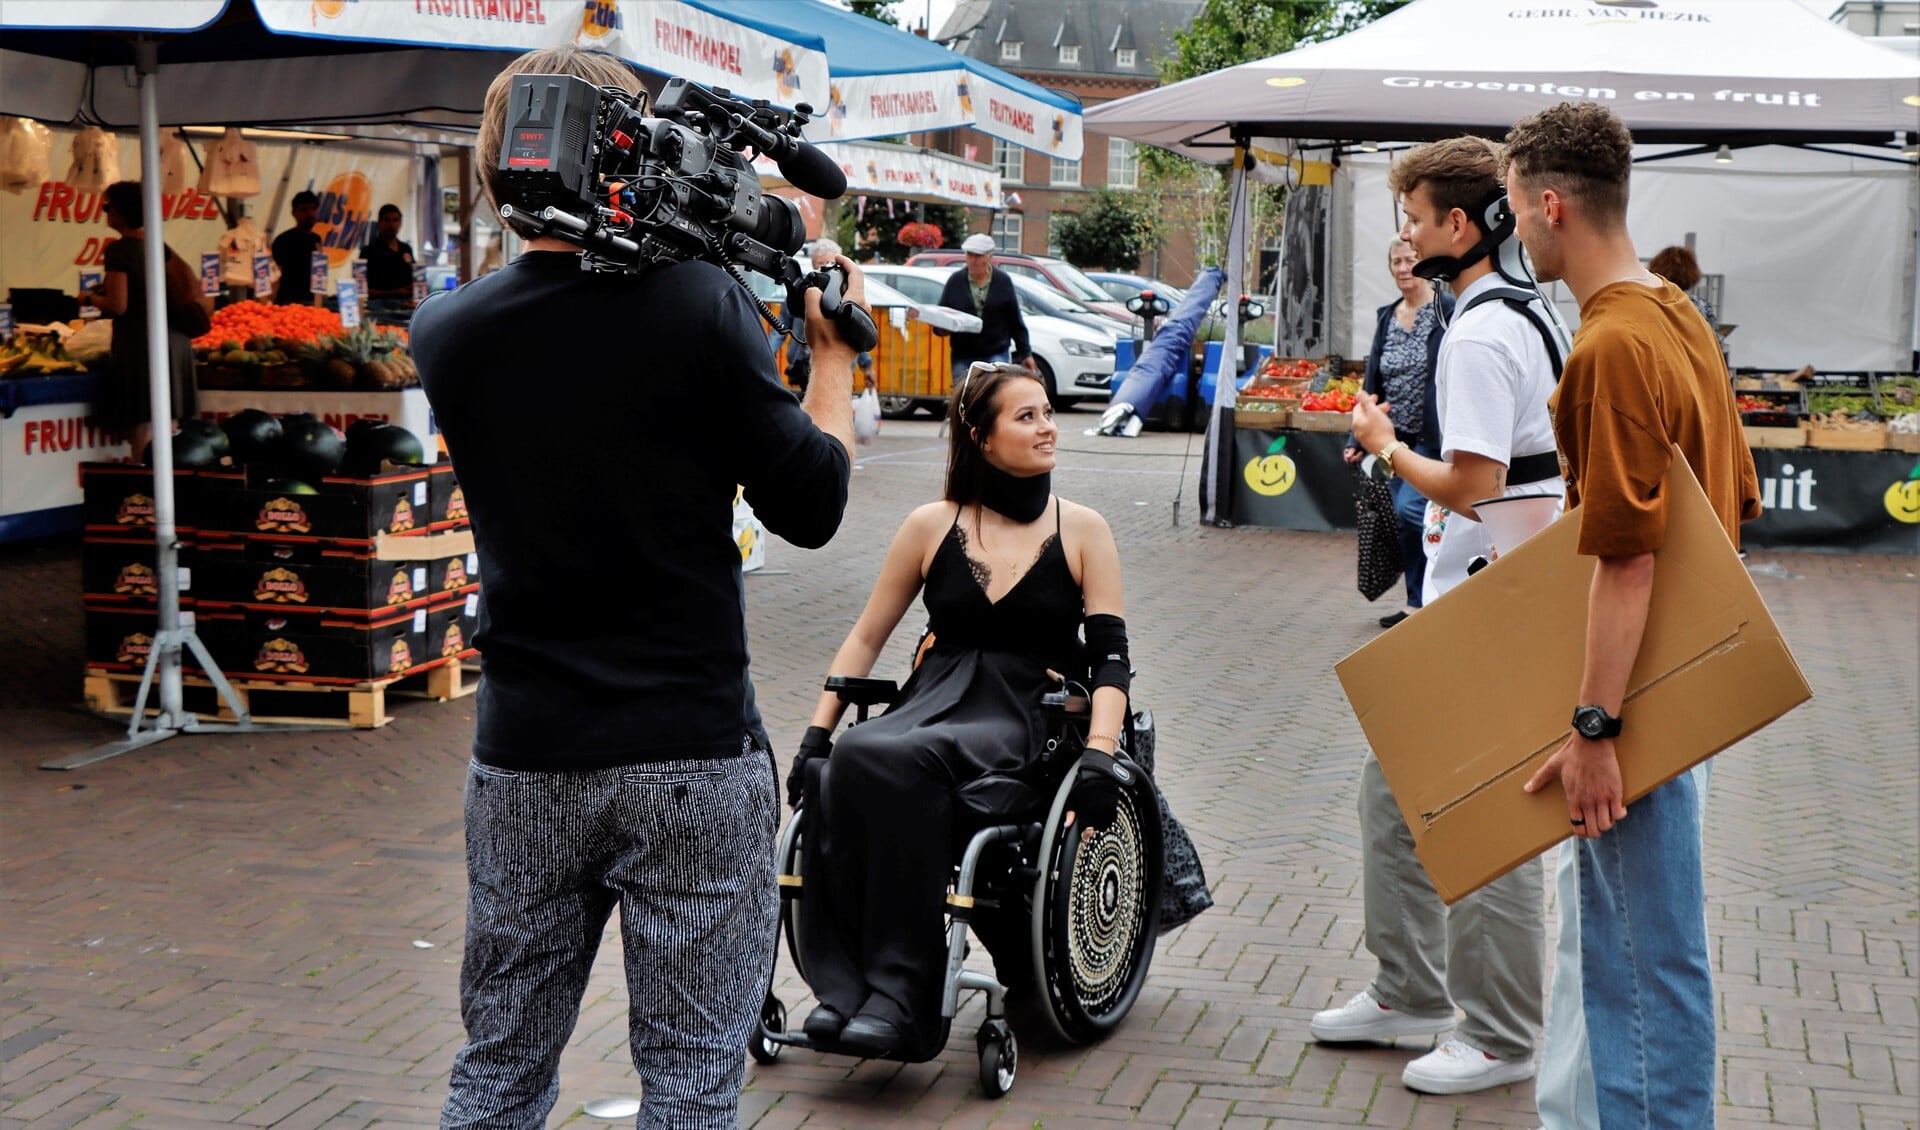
[1096, 912]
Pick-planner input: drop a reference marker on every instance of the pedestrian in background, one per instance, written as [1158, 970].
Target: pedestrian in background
[986, 291]
[1678, 266]
[1644, 376]
[1400, 370]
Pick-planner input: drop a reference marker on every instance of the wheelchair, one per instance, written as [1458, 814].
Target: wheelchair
[1075, 916]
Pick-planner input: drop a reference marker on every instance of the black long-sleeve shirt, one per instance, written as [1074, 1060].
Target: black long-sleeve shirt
[1000, 323]
[599, 425]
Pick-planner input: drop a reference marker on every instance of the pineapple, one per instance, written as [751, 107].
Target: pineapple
[351, 352]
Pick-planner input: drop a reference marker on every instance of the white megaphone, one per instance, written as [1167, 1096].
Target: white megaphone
[1515, 518]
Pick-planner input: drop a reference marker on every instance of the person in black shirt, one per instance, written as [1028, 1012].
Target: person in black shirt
[389, 265]
[983, 289]
[293, 252]
[600, 423]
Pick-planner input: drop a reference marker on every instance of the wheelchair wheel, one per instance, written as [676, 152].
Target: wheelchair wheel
[789, 854]
[1096, 912]
[999, 1058]
[773, 1018]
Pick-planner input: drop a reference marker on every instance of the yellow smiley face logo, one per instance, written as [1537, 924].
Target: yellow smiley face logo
[1903, 498]
[1273, 473]
[1286, 81]
[1912, 100]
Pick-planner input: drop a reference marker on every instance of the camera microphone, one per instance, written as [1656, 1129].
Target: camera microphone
[812, 172]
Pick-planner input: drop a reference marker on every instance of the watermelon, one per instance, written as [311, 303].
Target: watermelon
[253, 436]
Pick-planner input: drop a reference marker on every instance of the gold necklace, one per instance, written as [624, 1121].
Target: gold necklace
[1014, 569]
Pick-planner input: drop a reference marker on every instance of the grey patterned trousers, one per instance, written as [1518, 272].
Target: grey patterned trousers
[685, 849]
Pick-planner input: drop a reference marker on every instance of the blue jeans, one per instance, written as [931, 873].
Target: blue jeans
[1630, 1034]
[1410, 507]
[685, 850]
[960, 366]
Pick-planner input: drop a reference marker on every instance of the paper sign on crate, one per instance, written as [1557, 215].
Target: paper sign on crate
[210, 273]
[263, 276]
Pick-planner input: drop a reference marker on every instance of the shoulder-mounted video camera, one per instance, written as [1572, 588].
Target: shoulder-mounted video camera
[585, 164]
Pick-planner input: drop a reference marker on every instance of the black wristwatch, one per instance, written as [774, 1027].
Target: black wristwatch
[1594, 723]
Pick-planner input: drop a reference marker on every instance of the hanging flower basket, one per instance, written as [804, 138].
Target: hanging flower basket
[921, 235]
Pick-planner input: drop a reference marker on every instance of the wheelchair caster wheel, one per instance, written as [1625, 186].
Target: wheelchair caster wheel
[999, 1059]
[773, 1018]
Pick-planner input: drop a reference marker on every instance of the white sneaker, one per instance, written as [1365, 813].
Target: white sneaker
[1364, 1018]
[1458, 1068]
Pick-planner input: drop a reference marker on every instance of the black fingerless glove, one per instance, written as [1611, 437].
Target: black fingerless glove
[818, 742]
[1096, 795]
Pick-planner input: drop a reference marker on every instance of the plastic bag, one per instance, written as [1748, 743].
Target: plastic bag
[26, 154]
[91, 342]
[233, 167]
[96, 160]
[866, 417]
[175, 164]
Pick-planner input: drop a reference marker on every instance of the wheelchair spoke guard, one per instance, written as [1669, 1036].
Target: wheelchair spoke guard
[1096, 910]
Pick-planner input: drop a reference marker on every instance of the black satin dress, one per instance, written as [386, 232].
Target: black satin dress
[883, 845]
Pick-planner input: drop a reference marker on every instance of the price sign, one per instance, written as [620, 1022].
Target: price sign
[360, 282]
[6, 320]
[210, 273]
[90, 280]
[419, 285]
[317, 274]
[263, 276]
[349, 294]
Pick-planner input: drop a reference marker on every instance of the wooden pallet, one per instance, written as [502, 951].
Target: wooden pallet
[361, 706]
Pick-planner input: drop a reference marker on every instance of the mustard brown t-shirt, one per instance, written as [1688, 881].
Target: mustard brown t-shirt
[1645, 374]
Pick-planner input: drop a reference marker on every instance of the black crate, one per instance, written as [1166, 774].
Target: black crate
[256, 577]
[448, 501]
[309, 649]
[118, 498]
[121, 569]
[348, 510]
[451, 626]
[118, 637]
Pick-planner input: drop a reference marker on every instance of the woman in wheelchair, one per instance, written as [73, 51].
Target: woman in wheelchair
[1010, 574]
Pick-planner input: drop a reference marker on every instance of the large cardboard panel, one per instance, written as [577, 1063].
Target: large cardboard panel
[1465, 700]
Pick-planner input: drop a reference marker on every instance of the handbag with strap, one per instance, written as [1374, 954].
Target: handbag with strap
[1379, 563]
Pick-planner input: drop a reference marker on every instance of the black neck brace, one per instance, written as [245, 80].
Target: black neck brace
[1022, 500]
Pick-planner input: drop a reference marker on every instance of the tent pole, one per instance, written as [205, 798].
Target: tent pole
[1217, 493]
[159, 388]
[163, 658]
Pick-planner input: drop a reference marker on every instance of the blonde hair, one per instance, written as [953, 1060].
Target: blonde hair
[597, 67]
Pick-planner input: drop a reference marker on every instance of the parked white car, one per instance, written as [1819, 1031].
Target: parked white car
[1075, 354]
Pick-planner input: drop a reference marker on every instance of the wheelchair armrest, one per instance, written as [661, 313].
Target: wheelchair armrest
[856, 690]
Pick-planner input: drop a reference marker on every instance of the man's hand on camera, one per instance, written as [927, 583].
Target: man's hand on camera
[822, 335]
[818, 742]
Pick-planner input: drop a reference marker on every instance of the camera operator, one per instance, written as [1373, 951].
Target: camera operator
[600, 422]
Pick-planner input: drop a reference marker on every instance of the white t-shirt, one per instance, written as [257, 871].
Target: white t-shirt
[1490, 389]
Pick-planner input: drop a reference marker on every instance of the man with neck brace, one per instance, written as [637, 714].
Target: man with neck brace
[1497, 365]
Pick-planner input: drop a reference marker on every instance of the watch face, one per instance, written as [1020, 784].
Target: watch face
[1590, 724]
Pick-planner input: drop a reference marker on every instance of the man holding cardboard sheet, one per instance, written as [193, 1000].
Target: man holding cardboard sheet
[1644, 376]
[1495, 371]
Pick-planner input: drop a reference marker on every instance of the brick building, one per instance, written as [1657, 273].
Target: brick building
[1092, 50]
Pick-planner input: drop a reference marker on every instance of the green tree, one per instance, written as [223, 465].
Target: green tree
[1226, 33]
[881, 10]
[1108, 232]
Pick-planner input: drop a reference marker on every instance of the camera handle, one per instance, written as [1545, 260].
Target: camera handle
[850, 320]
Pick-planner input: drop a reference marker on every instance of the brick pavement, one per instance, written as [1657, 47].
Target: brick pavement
[264, 930]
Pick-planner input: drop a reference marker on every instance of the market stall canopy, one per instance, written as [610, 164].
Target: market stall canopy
[1719, 71]
[887, 82]
[244, 62]
[904, 173]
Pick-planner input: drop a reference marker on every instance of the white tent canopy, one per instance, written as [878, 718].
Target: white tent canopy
[1675, 70]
